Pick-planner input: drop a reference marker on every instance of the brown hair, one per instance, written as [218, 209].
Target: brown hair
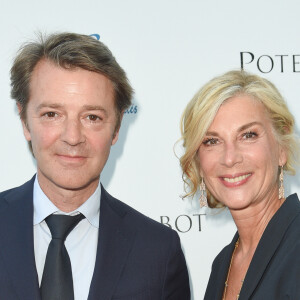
[69, 50]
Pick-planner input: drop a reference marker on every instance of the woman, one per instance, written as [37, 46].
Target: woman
[238, 139]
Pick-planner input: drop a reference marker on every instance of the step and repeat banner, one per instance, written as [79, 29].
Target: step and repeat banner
[169, 49]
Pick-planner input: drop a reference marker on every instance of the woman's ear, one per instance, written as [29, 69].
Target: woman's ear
[282, 156]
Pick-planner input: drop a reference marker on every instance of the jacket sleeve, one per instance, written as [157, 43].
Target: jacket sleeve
[176, 284]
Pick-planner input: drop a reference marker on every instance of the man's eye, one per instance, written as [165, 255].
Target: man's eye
[93, 118]
[50, 114]
[210, 141]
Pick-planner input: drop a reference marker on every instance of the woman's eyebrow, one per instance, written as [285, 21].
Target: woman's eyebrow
[248, 125]
[243, 127]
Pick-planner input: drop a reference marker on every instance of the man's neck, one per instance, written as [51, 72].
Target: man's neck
[67, 200]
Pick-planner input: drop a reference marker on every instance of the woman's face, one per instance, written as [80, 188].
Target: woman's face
[239, 155]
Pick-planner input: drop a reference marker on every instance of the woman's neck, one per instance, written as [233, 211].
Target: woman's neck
[252, 222]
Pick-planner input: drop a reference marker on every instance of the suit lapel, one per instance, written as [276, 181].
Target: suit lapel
[116, 237]
[16, 235]
[268, 244]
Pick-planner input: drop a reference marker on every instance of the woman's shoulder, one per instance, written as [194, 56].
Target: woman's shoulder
[289, 214]
[225, 254]
[221, 256]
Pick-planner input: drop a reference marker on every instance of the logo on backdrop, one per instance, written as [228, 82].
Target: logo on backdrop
[96, 36]
[133, 109]
[266, 63]
[183, 223]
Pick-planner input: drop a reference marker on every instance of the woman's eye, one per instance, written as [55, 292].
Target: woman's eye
[210, 141]
[249, 135]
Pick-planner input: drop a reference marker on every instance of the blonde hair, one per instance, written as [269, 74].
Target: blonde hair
[202, 109]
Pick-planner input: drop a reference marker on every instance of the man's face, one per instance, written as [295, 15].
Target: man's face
[71, 123]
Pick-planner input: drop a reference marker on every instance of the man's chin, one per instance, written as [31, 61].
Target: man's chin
[76, 185]
[68, 182]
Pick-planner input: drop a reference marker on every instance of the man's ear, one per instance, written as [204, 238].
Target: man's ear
[115, 136]
[26, 131]
[117, 130]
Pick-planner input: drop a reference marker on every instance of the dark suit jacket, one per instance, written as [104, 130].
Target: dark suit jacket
[274, 272]
[137, 258]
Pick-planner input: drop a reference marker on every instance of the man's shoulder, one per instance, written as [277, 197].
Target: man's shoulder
[22, 189]
[139, 220]
[10, 191]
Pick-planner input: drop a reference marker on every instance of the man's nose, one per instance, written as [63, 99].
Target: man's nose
[231, 155]
[72, 132]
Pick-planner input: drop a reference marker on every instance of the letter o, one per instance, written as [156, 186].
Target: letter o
[190, 223]
[258, 64]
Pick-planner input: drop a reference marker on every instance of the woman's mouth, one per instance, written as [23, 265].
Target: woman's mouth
[235, 180]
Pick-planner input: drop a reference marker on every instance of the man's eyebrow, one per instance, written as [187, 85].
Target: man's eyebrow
[50, 105]
[243, 127]
[94, 107]
[57, 105]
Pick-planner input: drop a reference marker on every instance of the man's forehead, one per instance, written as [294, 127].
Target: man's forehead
[50, 82]
[48, 76]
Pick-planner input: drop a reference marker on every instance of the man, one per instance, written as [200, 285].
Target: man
[62, 235]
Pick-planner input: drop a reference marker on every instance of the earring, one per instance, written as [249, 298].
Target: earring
[203, 199]
[281, 187]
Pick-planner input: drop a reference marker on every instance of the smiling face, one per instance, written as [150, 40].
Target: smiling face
[71, 123]
[239, 155]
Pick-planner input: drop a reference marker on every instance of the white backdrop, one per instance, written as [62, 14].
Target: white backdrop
[169, 49]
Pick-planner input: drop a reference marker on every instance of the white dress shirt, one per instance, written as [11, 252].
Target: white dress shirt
[81, 243]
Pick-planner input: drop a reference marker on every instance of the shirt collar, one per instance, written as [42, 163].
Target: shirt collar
[43, 207]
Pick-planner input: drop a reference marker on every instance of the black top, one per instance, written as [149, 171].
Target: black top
[274, 272]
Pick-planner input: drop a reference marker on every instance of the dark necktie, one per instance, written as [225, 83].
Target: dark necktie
[57, 281]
